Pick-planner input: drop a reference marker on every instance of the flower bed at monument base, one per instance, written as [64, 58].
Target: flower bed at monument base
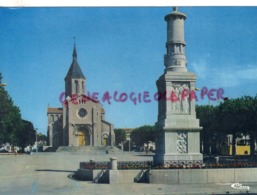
[149, 165]
[121, 165]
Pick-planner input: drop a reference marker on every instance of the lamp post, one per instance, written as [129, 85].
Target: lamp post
[36, 141]
[129, 143]
[3, 84]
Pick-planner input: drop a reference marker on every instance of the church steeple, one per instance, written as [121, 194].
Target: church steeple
[75, 79]
[74, 55]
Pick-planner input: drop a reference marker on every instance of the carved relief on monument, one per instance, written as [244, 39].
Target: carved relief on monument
[182, 142]
[181, 92]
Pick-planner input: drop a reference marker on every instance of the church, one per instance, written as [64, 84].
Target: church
[81, 120]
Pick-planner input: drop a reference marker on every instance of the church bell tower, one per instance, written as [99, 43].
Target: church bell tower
[75, 80]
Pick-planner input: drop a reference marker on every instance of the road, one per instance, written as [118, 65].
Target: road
[50, 173]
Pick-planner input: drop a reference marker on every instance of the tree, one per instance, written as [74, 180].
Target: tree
[209, 121]
[238, 116]
[143, 134]
[235, 116]
[13, 128]
[41, 137]
[10, 118]
[27, 135]
[120, 136]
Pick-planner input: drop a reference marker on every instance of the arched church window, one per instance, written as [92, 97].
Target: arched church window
[52, 117]
[76, 87]
[82, 85]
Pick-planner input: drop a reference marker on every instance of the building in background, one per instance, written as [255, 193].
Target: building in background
[242, 146]
[81, 120]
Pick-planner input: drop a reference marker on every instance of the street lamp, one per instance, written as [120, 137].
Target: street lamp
[3, 84]
[129, 143]
[36, 140]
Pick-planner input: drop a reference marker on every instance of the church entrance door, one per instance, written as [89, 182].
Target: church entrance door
[84, 137]
[104, 141]
[82, 140]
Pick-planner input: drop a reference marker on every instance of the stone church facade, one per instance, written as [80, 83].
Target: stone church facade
[81, 120]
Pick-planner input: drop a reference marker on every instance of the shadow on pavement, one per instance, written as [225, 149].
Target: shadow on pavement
[53, 170]
[144, 154]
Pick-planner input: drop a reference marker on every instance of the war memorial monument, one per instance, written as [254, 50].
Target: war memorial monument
[178, 140]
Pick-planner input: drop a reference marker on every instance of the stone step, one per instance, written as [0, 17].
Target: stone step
[89, 149]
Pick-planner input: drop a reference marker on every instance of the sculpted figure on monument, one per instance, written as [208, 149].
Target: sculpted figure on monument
[182, 104]
[185, 99]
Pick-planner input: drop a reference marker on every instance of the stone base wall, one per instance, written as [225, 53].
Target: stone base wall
[168, 176]
[203, 176]
[112, 176]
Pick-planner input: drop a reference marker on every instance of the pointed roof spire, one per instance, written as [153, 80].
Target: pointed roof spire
[74, 55]
[75, 70]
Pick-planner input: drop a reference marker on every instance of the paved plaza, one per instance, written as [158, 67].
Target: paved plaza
[49, 173]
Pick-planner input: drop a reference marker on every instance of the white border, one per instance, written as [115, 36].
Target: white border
[121, 3]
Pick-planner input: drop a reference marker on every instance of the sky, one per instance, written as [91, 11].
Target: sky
[122, 49]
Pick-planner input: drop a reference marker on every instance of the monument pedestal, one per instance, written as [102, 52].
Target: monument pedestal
[178, 139]
[170, 151]
[178, 147]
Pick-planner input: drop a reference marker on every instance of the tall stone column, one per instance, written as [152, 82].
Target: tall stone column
[178, 138]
